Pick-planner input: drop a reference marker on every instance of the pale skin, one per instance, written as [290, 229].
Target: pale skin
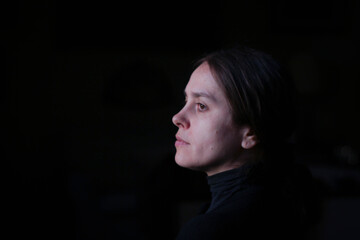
[208, 139]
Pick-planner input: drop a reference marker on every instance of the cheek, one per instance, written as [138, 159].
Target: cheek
[223, 140]
[212, 136]
[204, 133]
[208, 140]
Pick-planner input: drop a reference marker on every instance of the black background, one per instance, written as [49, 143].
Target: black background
[88, 89]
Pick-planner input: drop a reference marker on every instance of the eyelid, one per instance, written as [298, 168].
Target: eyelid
[197, 104]
[198, 107]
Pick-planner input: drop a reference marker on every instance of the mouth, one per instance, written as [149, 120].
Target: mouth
[180, 141]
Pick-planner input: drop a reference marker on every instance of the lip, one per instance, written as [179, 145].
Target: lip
[180, 141]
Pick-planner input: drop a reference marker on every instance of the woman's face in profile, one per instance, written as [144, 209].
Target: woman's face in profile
[208, 139]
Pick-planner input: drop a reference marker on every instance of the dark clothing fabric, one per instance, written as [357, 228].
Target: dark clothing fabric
[249, 204]
[224, 185]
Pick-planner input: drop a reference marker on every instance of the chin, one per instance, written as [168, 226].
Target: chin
[183, 161]
[187, 163]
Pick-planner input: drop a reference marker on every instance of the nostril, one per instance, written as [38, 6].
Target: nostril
[176, 120]
[181, 119]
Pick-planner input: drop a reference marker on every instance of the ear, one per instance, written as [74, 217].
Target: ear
[249, 139]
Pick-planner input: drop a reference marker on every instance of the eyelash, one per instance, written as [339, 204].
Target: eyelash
[200, 105]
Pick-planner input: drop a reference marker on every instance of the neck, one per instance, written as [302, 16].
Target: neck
[252, 155]
[223, 185]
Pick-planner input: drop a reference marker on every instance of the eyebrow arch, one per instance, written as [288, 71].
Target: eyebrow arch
[201, 94]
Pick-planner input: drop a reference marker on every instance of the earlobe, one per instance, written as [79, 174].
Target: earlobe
[249, 139]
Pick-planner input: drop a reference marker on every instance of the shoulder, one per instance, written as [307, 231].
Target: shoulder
[255, 214]
[235, 218]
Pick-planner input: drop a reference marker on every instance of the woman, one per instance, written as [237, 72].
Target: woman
[238, 116]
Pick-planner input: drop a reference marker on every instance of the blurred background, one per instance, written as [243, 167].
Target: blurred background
[88, 89]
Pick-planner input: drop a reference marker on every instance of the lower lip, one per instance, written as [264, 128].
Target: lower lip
[180, 143]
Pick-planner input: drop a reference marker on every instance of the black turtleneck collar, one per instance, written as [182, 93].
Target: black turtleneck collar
[223, 185]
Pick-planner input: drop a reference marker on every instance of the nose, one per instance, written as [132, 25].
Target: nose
[180, 120]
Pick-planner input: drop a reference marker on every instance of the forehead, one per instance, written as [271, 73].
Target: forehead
[202, 80]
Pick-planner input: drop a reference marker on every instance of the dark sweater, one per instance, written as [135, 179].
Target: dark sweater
[248, 205]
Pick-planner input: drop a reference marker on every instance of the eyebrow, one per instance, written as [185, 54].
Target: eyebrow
[201, 94]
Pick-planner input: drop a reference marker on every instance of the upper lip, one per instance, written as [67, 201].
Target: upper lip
[180, 139]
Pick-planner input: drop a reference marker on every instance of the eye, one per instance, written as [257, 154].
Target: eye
[201, 107]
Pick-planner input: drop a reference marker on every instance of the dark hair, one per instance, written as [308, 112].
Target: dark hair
[259, 90]
[262, 94]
